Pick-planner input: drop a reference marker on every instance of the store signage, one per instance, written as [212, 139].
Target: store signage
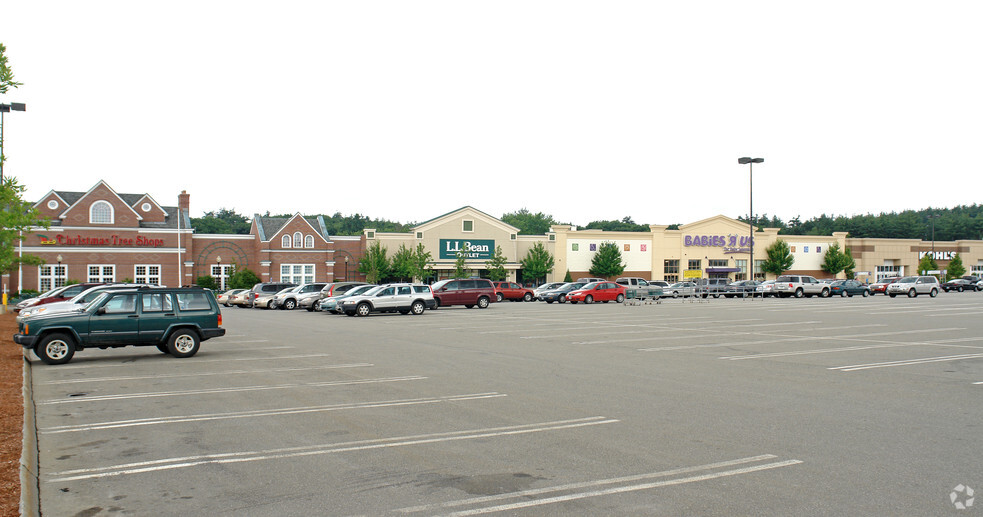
[112, 240]
[938, 255]
[693, 273]
[718, 241]
[468, 248]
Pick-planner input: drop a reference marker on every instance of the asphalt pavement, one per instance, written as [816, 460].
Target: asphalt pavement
[853, 406]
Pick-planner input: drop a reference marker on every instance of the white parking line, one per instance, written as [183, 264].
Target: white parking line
[585, 484]
[328, 448]
[210, 374]
[624, 489]
[261, 413]
[198, 360]
[75, 400]
[819, 351]
[908, 362]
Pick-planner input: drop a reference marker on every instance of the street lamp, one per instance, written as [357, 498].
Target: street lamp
[5, 108]
[346, 268]
[221, 277]
[57, 269]
[750, 219]
[933, 217]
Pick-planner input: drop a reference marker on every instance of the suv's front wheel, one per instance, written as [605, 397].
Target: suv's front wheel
[363, 309]
[55, 348]
[183, 343]
[912, 293]
[290, 304]
[934, 293]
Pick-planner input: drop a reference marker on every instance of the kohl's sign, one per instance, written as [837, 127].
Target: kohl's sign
[468, 248]
[718, 241]
[938, 255]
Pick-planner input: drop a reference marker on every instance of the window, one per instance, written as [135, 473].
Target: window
[405, 289]
[192, 301]
[121, 304]
[976, 271]
[759, 274]
[297, 273]
[146, 274]
[695, 264]
[145, 207]
[50, 277]
[221, 274]
[627, 247]
[467, 226]
[742, 265]
[717, 263]
[552, 237]
[102, 273]
[671, 270]
[52, 204]
[793, 249]
[101, 212]
[389, 291]
[369, 235]
[512, 236]
[298, 240]
[308, 241]
[644, 247]
[285, 241]
[419, 235]
[157, 302]
[805, 249]
[575, 247]
[819, 249]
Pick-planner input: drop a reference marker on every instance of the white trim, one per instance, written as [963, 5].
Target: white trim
[152, 200]
[292, 250]
[147, 275]
[35, 229]
[46, 197]
[225, 236]
[99, 203]
[50, 201]
[100, 277]
[107, 249]
[101, 182]
[272, 237]
[346, 237]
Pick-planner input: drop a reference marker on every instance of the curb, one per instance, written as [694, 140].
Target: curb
[30, 496]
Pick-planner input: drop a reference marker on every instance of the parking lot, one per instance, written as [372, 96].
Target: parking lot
[712, 407]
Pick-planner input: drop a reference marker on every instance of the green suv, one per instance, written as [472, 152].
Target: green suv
[176, 321]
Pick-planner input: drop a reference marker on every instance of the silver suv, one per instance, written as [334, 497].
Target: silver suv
[799, 286]
[914, 286]
[291, 298]
[401, 298]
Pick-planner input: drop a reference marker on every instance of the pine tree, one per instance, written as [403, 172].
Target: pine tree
[607, 261]
[955, 268]
[496, 265]
[537, 263]
[779, 259]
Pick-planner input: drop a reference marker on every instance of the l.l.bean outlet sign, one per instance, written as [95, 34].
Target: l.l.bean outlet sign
[470, 248]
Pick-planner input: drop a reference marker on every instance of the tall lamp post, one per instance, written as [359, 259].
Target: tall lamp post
[750, 220]
[57, 272]
[221, 277]
[346, 268]
[932, 218]
[6, 108]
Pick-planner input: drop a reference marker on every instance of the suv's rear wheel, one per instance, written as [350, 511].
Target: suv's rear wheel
[799, 293]
[499, 297]
[290, 304]
[55, 348]
[363, 309]
[183, 343]
[418, 308]
[483, 302]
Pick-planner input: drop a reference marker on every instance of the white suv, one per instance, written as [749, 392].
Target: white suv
[401, 298]
[799, 286]
[914, 286]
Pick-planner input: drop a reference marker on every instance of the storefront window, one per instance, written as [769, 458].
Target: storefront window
[102, 273]
[297, 273]
[146, 274]
[50, 277]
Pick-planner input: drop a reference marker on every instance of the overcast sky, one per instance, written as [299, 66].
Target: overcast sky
[583, 110]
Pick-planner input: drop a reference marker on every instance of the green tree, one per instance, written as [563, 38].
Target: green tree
[17, 217]
[375, 264]
[850, 264]
[955, 268]
[461, 269]
[6, 74]
[606, 262]
[537, 263]
[779, 259]
[403, 264]
[243, 279]
[567, 277]
[207, 281]
[496, 265]
[624, 225]
[225, 221]
[421, 263]
[927, 263]
[529, 223]
[835, 260]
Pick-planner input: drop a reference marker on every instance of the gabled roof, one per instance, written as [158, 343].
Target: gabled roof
[269, 227]
[100, 182]
[714, 219]
[467, 208]
[141, 198]
[50, 192]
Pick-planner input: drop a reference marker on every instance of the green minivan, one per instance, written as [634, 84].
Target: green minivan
[176, 321]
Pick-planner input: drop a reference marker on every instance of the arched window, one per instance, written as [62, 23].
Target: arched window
[308, 241]
[101, 212]
[285, 241]
[298, 240]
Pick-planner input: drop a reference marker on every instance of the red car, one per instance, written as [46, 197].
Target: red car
[598, 292]
[512, 291]
[58, 295]
[881, 285]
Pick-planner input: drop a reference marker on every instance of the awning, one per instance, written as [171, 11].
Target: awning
[724, 270]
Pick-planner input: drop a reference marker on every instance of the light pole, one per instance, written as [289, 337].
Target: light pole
[221, 277]
[750, 220]
[5, 108]
[346, 268]
[57, 269]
